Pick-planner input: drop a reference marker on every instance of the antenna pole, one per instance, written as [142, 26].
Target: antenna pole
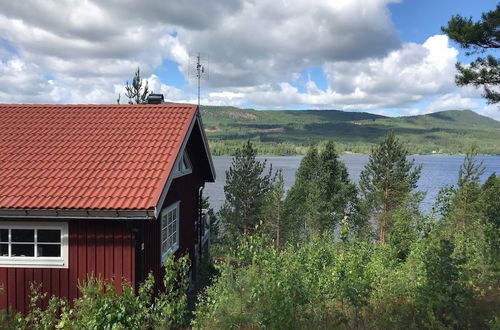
[199, 70]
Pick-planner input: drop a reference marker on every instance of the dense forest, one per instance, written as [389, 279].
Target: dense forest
[327, 254]
[290, 132]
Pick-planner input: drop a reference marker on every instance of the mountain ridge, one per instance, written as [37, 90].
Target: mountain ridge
[285, 132]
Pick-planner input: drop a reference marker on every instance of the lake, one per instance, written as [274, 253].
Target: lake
[437, 171]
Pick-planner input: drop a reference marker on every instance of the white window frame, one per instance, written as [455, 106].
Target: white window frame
[37, 262]
[183, 166]
[175, 207]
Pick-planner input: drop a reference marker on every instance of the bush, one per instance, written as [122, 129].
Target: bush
[102, 307]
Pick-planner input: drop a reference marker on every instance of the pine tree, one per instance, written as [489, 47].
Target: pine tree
[138, 91]
[246, 191]
[387, 181]
[476, 37]
[274, 210]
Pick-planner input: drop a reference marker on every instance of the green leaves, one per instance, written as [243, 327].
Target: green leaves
[102, 306]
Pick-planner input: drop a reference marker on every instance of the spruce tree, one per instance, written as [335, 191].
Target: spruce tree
[246, 189]
[322, 194]
[387, 181]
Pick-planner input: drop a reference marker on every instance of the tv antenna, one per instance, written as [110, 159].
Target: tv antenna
[199, 70]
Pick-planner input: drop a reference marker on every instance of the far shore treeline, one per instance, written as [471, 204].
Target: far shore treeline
[291, 132]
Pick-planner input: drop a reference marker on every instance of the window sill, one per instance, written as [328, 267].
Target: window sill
[27, 262]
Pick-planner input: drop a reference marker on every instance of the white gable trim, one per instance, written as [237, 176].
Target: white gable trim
[205, 142]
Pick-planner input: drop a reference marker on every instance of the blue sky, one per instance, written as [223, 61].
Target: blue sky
[382, 56]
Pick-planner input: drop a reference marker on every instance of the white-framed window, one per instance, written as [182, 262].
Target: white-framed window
[33, 244]
[183, 166]
[169, 230]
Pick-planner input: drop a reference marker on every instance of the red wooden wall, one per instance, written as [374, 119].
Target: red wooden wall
[184, 189]
[104, 248]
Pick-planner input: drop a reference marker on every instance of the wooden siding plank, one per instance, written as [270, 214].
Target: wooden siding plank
[118, 255]
[82, 253]
[55, 276]
[11, 287]
[47, 286]
[64, 283]
[4, 297]
[100, 250]
[108, 251]
[73, 259]
[91, 257]
[20, 292]
[128, 244]
[28, 280]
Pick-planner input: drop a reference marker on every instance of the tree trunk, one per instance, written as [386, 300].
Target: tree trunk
[383, 225]
[278, 228]
[383, 229]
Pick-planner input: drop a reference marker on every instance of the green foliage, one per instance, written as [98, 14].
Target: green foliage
[170, 306]
[470, 221]
[325, 283]
[246, 190]
[101, 306]
[291, 132]
[477, 37]
[490, 193]
[387, 181]
[442, 297]
[322, 194]
[138, 91]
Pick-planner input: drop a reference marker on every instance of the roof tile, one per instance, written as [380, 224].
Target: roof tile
[88, 156]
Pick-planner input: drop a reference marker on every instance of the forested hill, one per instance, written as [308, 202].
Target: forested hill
[288, 132]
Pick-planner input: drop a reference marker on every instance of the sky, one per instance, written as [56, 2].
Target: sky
[381, 56]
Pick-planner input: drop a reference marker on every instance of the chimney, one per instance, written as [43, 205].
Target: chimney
[155, 99]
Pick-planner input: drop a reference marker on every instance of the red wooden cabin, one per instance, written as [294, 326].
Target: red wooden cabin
[107, 190]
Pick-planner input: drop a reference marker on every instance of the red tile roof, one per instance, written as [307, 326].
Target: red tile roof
[88, 156]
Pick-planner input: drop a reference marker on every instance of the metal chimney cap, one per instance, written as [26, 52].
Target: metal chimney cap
[155, 99]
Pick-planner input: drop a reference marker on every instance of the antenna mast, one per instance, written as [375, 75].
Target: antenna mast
[200, 66]
[199, 71]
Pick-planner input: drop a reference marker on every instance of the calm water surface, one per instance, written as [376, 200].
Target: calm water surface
[437, 171]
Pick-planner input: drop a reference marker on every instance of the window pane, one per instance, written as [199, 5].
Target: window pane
[23, 235]
[4, 250]
[23, 250]
[49, 235]
[49, 250]
[4, 235]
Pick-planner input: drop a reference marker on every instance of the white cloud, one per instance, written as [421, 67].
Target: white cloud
[451, 102]
[400, 80]
[83, 51]
[492, 111]
[250, 42]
